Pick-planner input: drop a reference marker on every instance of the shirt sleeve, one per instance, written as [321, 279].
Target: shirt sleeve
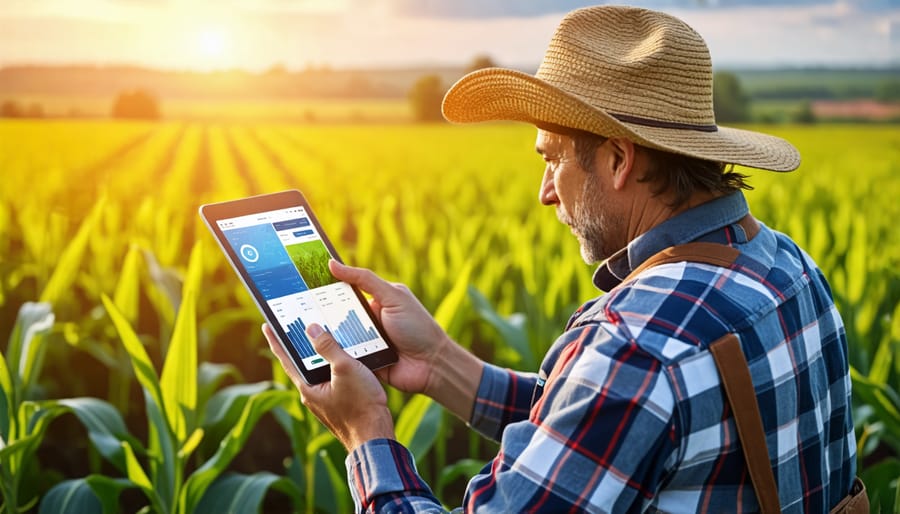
[503, 397]
[596, 440]
[601, 437]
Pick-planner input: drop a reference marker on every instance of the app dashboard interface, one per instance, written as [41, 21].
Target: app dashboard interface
[287, 261]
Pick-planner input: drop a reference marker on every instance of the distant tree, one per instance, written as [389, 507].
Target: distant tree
[277, 69]
[804, 114]
[730, 103]
[888, 90]
[426, 97]
[138, 105]
[10, 109]
[35, 110]
[479, 62]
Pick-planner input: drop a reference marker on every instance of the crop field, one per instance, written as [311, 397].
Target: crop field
[135, 375]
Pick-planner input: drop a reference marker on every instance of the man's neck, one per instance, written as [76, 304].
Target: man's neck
[651, 211]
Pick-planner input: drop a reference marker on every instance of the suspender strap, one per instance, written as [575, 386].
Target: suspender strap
[735, 375]
[707, 253]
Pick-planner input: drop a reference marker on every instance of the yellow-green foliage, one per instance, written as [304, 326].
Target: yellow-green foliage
[420, 205]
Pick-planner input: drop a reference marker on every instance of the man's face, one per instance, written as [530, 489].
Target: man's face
[580, 196]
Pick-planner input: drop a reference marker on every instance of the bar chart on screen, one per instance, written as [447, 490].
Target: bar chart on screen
[351, 332]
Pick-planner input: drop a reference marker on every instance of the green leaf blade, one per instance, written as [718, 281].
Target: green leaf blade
[140, 361]
[231, 444]
[238, 494]
[69, 263]
[71, 497]
[179, 376]
[418, 425]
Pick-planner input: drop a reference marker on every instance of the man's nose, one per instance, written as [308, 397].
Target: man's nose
[547, 194]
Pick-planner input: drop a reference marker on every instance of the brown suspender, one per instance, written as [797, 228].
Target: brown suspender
[738, 384]
[736, 380]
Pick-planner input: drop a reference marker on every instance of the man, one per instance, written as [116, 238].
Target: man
[628, 411]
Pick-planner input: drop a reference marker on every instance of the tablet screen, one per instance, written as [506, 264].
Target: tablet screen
[287, 262]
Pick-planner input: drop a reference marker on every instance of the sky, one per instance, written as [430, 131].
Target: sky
[258, 34]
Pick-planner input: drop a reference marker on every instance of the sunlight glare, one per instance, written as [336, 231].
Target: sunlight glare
[212, 42]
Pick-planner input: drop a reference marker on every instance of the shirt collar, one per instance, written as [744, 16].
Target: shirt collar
[685, 227]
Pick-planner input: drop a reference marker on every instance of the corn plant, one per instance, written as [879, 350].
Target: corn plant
[176, 426]
[449, 211]
[23, 422]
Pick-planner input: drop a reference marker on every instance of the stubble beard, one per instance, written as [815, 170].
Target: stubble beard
[597, 231]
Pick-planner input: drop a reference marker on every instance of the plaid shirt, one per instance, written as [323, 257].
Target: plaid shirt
[627, 413]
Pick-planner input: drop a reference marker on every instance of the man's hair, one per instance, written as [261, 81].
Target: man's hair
[674, 174]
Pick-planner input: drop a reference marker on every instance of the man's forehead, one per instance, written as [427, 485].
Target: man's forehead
[547, 140]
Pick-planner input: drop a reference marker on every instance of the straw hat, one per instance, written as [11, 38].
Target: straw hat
[621, 72]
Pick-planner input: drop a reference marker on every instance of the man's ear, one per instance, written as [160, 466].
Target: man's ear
[621, 160]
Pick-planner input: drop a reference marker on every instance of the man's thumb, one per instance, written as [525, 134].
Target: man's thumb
[324, 344]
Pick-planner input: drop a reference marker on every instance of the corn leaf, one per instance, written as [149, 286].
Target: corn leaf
[881, 362]
[225, 406]
[127, 294]
[449, 313]
[209, 376]
[33, 419]
[25, 349]
[161, 447]
[136, 474]
[191, 444]
[7, 399]
[418, 425]
[140, 361]
[512, 329]
[340, 494]
[166, 291]
[179, 376]
[882, 484]
[105, 426]
[95, 493]
[235, 493]
[197, 484]
[164, 465]
[134, 470]
[71, 497]
[464, 468]
[882, 398]
[67, 267]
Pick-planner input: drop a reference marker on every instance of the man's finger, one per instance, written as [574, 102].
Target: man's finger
[363, 278]
[325, 344]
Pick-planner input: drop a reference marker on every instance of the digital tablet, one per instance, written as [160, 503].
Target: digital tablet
[281, 253]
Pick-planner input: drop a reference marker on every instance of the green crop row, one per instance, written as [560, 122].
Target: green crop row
[121, 312]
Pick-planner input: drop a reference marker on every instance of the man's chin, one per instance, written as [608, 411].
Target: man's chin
[587, 255]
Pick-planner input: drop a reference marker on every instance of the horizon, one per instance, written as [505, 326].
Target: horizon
[206, 36]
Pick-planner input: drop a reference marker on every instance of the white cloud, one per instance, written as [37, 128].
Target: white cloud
[356, 33]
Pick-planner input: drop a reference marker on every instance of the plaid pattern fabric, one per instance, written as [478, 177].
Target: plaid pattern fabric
[627, 413]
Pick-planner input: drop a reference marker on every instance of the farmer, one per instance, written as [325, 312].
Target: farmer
[628, 411]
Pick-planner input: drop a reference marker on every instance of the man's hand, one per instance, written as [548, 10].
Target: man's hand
[418, 338]
[429, 362]
[353, 404]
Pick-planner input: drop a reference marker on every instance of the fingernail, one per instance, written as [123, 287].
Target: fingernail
[314, 330]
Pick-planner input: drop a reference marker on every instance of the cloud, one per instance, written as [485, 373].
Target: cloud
[506, 8]
[371, 33]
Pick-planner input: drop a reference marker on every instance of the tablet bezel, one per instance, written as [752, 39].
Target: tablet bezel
[212, 213]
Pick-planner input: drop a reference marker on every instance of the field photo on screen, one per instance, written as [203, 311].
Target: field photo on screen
[311, 259]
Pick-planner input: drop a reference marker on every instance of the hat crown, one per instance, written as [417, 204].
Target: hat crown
[633, 62]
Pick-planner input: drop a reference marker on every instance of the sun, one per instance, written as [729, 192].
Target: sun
[212, 42]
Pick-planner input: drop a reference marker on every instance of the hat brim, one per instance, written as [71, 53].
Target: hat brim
[494, 94]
